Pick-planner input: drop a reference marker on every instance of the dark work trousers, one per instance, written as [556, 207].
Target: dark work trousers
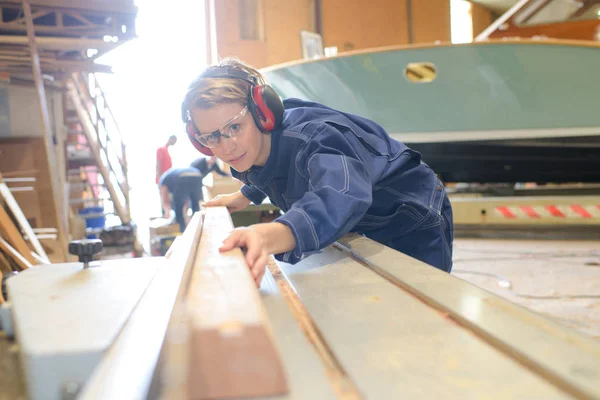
[186, 188]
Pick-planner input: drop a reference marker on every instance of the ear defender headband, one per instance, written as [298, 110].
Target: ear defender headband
[264, 105]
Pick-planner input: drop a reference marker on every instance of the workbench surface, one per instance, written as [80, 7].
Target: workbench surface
[374, 323]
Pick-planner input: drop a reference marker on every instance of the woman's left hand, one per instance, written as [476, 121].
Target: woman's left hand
[256, 252]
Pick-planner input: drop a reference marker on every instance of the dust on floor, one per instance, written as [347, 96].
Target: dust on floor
[558, 279]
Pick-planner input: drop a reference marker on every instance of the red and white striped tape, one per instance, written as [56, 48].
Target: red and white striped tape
[549, 211]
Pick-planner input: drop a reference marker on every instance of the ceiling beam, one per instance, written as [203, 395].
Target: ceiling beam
[57, 43]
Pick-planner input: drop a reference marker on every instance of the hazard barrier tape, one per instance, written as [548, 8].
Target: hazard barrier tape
[549, 211]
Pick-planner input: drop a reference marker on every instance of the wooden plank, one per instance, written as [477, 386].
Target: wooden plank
[48, 140]
[229, 326]
[396, 347]
[5, 264]
[117, 6]
[14, 236]
[14, 254]
[566, 358]
[20, 217]
[11, 174]
[219, 341]
[63, 65]
[60, 43]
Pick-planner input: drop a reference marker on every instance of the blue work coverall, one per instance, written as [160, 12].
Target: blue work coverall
[333, 173]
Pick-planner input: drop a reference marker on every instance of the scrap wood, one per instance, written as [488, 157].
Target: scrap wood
[20, 218]
[5, 263]
[14, 254]
[14, 236]
[17, 174]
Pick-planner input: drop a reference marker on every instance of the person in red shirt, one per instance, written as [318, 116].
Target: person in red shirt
[163, 158]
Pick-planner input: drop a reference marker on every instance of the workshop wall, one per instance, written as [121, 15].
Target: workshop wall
[354, 25]
[482, 18]
[430, 21]
[267, 32]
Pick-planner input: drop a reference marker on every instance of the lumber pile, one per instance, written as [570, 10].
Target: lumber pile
[19, 245]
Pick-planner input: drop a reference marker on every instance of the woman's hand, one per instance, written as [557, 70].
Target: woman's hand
[256, 251]
[260, 241]
[234, 202]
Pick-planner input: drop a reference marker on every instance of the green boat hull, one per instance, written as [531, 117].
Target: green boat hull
[508, 111]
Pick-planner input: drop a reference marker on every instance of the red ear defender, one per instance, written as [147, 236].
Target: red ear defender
[268, 108]
[191, 132]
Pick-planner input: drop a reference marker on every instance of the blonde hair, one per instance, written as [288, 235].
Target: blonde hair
[207, 92]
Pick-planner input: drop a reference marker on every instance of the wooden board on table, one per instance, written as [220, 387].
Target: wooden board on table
[219, 343]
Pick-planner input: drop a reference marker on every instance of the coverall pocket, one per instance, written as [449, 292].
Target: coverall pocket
[406, 218]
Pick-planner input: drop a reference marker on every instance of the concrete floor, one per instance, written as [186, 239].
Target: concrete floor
[558, 279]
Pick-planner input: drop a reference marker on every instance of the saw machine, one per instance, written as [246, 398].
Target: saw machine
[356, 321]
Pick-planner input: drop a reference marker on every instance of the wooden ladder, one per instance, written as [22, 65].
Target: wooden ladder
[104, 140]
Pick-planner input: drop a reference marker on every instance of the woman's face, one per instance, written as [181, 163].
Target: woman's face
[248, 146]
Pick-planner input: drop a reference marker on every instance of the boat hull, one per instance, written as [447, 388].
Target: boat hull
[496, 111]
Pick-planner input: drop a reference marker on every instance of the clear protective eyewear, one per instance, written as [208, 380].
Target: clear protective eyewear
[229, 130]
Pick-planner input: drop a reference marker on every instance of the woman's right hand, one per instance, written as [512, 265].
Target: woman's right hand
[234, 202]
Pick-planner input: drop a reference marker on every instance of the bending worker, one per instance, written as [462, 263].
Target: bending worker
[182, 184]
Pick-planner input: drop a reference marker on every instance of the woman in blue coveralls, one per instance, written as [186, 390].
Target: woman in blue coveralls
[330, 172]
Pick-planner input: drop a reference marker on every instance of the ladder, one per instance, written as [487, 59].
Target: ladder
[96, 152]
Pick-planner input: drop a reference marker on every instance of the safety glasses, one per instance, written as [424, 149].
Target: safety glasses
[230, 129]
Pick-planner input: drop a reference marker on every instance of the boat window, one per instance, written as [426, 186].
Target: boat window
[420, 72]
[552, 11]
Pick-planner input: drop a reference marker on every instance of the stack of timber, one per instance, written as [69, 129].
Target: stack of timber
[19, 245]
